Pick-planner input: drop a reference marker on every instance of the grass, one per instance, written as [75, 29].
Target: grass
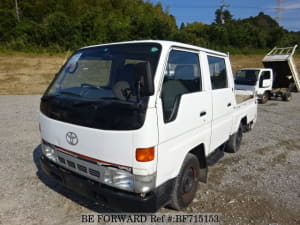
[22, 73]
[27, 74]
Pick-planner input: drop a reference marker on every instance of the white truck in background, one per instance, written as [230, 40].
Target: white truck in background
[278, 79]
[136, 124]
[258, 80]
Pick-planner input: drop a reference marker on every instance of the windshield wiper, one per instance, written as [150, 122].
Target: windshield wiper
[69, 93]
[101, 101]
[90, 86]
[117, 99]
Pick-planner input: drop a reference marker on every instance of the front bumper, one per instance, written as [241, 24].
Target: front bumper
[123, 200]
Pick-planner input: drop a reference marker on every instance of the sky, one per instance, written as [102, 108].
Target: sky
[188, 11]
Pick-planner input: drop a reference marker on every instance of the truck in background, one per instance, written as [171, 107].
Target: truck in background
[136, 124]
[258, 80]
[278, 79]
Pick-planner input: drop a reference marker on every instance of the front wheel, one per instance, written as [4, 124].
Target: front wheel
[186, 183]
[264, 98]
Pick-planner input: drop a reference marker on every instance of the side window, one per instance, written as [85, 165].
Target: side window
[265, 75]
[182, 76]
[218, 74]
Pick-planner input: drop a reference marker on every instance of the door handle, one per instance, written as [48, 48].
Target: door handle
[203, 113]
[229, 104]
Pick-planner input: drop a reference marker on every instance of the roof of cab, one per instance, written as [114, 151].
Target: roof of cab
[164, 44]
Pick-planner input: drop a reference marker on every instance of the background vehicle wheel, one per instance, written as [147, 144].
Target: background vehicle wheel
[186, 183]
[235, 140]
[292, 87]
[287, 96]
[264, 98]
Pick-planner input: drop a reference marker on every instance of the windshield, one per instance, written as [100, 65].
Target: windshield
[105, 72]
[102, 87]
[246, 77]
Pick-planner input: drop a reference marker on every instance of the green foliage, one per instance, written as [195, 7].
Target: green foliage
[239, 36]
[222, 16]
[62, 25]
[7, 25]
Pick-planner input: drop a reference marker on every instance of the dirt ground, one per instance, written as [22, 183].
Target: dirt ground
[259, 185]
[24, 74]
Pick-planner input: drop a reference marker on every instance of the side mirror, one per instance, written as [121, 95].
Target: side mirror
[266, 83]
[144, 75]
[71, 68]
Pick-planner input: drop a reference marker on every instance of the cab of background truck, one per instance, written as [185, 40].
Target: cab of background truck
[258, 80]
[127, 114]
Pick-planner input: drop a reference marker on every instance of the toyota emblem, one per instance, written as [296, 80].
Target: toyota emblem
[72, 138]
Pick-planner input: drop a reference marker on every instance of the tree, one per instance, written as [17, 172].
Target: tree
[218, 14]
[7, 25]
[222, 16]
[227, 16]
[69, 24]
[17, 11]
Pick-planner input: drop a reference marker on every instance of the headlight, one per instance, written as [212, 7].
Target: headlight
[49, 152]
[124, 180]
[118, 178]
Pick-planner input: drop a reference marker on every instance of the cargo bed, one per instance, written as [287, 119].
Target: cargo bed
[242, 96]
[286, 77]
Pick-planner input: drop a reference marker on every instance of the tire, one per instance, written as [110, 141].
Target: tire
[292, 87]
[186, 183]
[287, 96]
[264, 98]
[235, 140]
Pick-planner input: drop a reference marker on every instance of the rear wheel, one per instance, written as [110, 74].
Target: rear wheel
[292, 87]
[287, 96]
[235, 140]
[186, 183]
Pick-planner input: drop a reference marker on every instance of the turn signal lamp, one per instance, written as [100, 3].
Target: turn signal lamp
[144, 154]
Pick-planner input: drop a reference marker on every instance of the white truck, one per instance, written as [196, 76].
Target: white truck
[136, 124]
[278, 79]
[258, 80]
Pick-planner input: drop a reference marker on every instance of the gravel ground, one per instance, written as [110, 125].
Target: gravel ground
[258, 185]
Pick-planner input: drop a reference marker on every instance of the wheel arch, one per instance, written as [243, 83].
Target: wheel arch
[240, 120]
[244, 122]
[199, 152]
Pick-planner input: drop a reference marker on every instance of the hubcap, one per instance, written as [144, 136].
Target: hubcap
[188, 181]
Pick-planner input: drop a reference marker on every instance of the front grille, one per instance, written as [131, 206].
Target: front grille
[71, 164]
[62, 160]
[83, 167]
[94, 172]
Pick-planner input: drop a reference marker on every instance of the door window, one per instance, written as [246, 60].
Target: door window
[264, 76]
[182, 76]
[218, 74]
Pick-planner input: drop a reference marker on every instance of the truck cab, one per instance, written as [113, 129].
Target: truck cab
[135, 124]
[259, 80]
